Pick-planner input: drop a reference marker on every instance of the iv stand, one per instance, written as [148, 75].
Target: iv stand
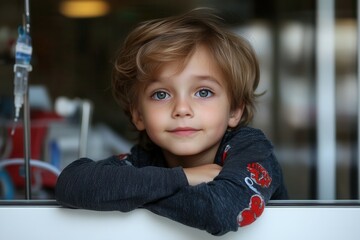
[26, 109]
[27, 145]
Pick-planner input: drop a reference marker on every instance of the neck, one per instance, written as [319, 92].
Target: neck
[199, 159]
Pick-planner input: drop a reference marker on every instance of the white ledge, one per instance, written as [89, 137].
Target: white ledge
[277, 222]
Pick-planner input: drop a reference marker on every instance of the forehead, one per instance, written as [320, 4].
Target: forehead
[200, 64]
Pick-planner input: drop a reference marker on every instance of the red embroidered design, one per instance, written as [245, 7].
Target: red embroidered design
[224, 155]
[259, 174]
[250, 214]
[122, 156]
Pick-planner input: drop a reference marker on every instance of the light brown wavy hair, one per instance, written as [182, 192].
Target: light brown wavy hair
[157, 42]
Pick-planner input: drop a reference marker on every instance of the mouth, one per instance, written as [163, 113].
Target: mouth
[184, 131]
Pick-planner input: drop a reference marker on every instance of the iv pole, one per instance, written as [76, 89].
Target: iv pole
[26, 116]
[27, 143]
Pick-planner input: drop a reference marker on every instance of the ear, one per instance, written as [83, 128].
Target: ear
[137, 120]
[235, 116]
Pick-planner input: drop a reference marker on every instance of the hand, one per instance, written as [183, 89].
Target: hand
[204, 173]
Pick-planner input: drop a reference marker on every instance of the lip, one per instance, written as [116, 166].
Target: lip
[184, 131]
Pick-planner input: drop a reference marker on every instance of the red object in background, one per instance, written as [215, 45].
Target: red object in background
[38, 130]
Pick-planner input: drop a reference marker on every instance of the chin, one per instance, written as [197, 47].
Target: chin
[183, 152]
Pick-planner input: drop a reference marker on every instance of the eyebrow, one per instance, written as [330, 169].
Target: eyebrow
[208, 77]
[200, 77]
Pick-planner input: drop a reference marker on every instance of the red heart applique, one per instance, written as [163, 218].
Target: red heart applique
[249, 215]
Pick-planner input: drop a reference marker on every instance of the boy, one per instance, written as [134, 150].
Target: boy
[187, 84]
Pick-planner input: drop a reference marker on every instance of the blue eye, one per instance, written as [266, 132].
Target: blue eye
[204, 93]
[160, 95]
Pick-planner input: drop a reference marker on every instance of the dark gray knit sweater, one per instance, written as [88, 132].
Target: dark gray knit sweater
[250, 177]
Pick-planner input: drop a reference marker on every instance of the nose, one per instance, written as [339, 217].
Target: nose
[182, 108]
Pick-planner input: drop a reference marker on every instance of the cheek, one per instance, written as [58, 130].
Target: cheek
[154, 126]
[216, 116]
[153, 118]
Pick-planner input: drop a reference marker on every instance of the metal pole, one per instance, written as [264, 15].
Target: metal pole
[325, 92]
[86, 108]
[358, 77]
[27, 16]
[27, 145]
[27, 133]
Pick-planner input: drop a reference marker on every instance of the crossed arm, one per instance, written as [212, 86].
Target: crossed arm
[207, 197]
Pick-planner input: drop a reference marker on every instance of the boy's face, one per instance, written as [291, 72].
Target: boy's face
[187, 112]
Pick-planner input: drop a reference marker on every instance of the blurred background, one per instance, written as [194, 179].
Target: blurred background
[72, 59]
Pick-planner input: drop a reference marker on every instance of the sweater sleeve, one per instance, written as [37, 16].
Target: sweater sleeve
[237, 196]
[115, 184]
